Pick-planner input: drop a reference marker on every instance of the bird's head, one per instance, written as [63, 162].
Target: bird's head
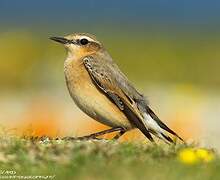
[79, 44]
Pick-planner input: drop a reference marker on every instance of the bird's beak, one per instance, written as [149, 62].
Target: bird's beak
[60, 40]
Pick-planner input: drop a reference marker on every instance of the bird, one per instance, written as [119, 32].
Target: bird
[100, 89]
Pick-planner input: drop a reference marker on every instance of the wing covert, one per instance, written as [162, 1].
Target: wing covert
[106, 79]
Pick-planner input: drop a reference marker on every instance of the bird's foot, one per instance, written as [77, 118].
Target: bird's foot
[95, 135]
[69, 138]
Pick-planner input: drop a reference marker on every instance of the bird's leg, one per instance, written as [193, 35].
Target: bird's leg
[94, 135]
[119, 134]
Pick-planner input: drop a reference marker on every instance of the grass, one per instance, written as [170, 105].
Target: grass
[99, 160]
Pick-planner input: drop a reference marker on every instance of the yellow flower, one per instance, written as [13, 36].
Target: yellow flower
[205, 155]
[188, 156]
[193, 156]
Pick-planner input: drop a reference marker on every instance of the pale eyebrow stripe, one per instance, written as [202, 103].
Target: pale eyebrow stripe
[86, 37]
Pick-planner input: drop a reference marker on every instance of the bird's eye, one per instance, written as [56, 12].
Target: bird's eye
[84, 41]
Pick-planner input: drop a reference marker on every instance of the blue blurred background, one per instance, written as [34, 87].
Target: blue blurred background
[168, 49]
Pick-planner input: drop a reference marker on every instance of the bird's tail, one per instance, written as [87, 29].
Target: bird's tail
[162, 127]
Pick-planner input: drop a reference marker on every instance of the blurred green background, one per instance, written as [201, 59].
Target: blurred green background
[169, 49]
[153, 42]
[30, 60]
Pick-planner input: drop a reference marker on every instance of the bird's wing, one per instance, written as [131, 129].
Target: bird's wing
[110, 80]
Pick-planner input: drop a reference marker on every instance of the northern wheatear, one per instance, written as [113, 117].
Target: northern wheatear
[103, 92]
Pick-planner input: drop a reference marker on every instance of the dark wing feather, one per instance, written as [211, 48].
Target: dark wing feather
[161, 124]
[106, 79]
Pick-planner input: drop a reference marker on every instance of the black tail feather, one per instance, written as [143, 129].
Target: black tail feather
[161, 124]
[137, 122]
[167, 138]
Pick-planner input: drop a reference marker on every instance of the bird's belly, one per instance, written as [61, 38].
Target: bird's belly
[92, 101]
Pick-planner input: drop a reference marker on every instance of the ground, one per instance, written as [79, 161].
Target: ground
[100, 159]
